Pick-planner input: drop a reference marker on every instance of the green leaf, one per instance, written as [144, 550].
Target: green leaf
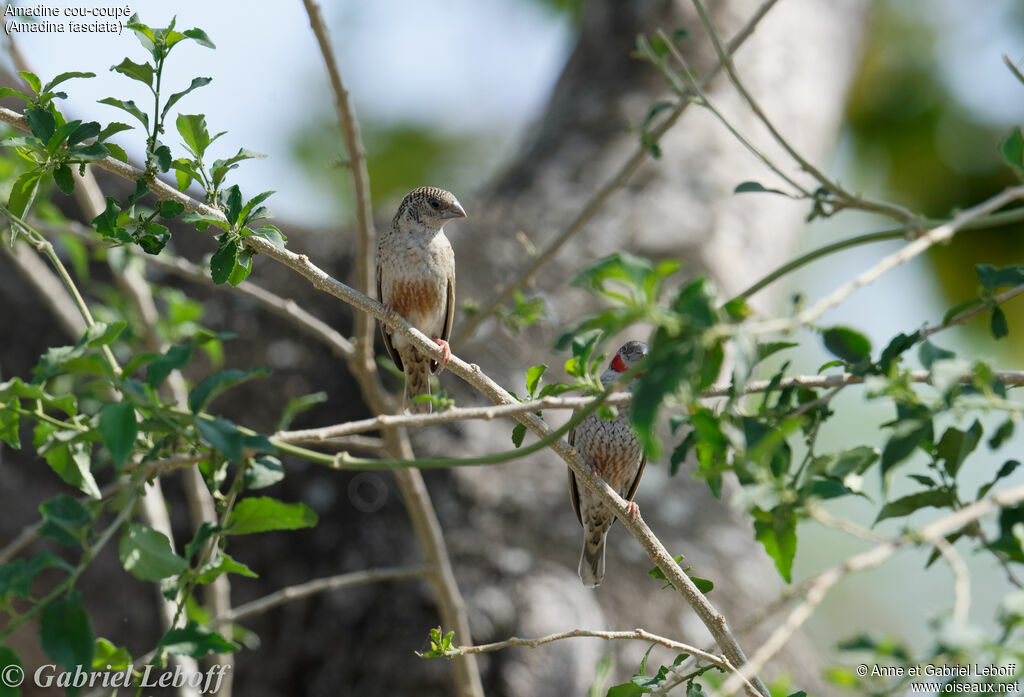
[756, 188]
[89, 153]
[61, 134]
[260, 514]
[855, 460]
[71, 461]
[10, 421]
[16, 577]
[223, 436]
[223, 261]
[11, 92]
[250, 212]
[900, 344]
[776, 531]
[107, 656]
[173, 99]
[192, 640]
[10, 668]
[143, 72]
[1001, 435]
[85, 131]
[533, 376]
[223, 564]
[518, 434]
[929, 353]
[64, 77]
[130, 107]
[147, 555]
[956, 445]
[998, 324]
[23, 192]
[200, 37]
[912, 429]
[118, 429]
[262, 472]
[1012, 149]
[154, 238]
[242, 268]
[33, 81]
[939, 498]
[993, 278]
[42, 123]
[215, 384]
[102, 333]
[66, 633]
[112, 128]
[272, 235]
[175, 358]
[65, 520]
[192, 128]
[1005, 471]
[847, 344]
[65, 181]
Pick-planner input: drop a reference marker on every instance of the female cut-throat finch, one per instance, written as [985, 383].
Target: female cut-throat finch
[416, 279]
[611, 450]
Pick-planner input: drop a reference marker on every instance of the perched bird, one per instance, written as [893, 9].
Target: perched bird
[612, 451]
[416, 279]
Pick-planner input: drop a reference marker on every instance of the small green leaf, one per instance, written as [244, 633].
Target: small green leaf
[1012, 149]
[143, 72]
[130, 107]
[262, 472]
[533, 376]
[154, 238]
[64, 179]
[23, 191]
[215, 384]
[173, 99]
[41, 123]
[260, 514]
[11, 92]
[192, 640]
[147, 555]
[956, 445]
[998, 324]
[65, 519]
[939, 498]
[756, 188]
[776, 531]
[223, 436]
[66, 633]
[200, 37]
[518, 434]
[272, 235]
[107, 656]
[112, 128]
[222, 263]
[223, 564]
[847, 344]
[64, 77]
[993, 278]
[929, 353]
[906, 436]
[175, 358]
[33, 81]
[118, 429]
[102, 333]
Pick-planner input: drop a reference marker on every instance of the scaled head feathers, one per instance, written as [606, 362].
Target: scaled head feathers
[430, 206]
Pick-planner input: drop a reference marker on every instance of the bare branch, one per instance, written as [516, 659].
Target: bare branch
[320, 585]
[365, 265]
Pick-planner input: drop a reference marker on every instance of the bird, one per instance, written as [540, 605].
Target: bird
[416, 279]
[612, 452]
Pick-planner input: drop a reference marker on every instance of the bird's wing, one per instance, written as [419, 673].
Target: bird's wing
[636, 480]
[384, 330]
[449, 316]
[574, 492]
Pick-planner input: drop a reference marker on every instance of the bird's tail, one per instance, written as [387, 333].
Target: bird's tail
[417, 382]
[592, 561]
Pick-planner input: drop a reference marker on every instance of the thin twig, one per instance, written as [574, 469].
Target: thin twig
[968, 315]
[320, 585]
[601, 196]
[934, 236]
[365, 267]
[820, 584]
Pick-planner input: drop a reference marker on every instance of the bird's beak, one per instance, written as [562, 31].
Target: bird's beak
[454, 211]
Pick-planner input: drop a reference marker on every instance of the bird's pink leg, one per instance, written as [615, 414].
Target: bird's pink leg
[446, 351]
[634, 510]
[389, 311]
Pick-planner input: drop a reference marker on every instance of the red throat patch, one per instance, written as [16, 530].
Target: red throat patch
[618, 365]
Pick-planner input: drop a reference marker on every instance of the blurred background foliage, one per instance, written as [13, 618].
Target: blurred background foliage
[920, 141]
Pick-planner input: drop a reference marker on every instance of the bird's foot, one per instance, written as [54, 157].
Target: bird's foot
[634, 510]
[389, 312]
[596, 471]
[446, 352]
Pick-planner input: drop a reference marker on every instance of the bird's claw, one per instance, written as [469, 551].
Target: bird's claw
[389, 312]
[446, 352]
[634, 510]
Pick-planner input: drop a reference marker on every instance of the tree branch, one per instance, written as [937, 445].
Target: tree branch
[819, 585]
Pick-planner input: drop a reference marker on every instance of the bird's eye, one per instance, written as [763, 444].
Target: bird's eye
[435, 204]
